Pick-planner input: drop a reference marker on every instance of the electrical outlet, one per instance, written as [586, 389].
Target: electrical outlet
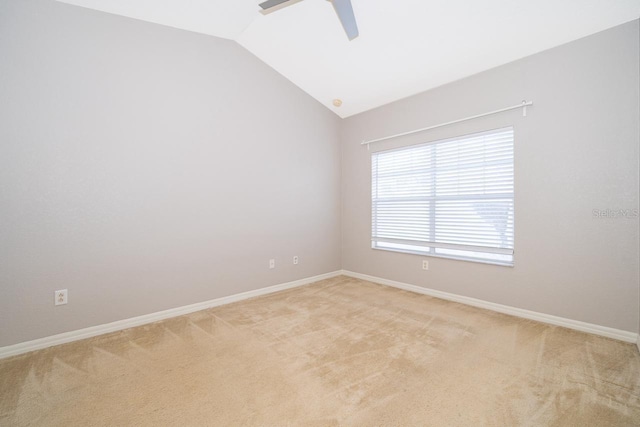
[60, 297]
[272, 263]
[425, 265]
[295, 260]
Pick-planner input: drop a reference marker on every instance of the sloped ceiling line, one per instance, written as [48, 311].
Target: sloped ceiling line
[405, 47]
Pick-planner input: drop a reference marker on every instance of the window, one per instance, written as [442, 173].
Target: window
[451, 198]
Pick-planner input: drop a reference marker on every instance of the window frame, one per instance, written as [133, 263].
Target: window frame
[479, 256]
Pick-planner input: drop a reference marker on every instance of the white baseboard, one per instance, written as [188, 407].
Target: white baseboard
[119, 325]
[604, 331]
[25, 347]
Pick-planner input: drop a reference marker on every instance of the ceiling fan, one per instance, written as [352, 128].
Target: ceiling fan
[343, 9]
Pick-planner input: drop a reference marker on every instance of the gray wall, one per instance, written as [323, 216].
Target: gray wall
[145, 168]
[576, 151]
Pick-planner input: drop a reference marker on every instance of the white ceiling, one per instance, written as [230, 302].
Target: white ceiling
[405, 46]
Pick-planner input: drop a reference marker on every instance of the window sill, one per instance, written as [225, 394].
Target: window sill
[455, 258]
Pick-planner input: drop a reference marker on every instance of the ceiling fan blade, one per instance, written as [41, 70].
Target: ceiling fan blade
[273, 5]
[347, 18]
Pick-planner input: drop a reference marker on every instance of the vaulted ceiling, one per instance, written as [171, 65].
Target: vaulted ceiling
[405, 46]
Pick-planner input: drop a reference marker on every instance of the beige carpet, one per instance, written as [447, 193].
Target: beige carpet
[338, 352]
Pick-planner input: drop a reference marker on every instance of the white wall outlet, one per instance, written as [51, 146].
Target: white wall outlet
[60, 297]
[295, 260]
[425, 265]
[272, 263]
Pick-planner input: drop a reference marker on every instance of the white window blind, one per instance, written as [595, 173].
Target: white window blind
[451, 198]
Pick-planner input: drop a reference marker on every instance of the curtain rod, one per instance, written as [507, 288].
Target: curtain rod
[523, 105]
